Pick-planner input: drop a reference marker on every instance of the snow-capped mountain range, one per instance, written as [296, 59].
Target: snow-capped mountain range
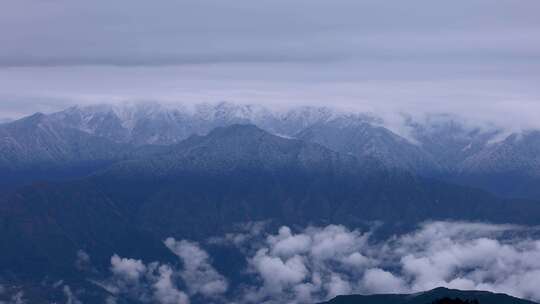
[443, 144]
[445, 148]
[153, 123]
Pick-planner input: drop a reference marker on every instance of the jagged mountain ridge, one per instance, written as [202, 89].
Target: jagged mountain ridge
[39, 148]
[451, 141]
[433, 146]
[518, 153]
[444, 148]
[37, 140]
[364, 139]
[239, 147]
[153, 123]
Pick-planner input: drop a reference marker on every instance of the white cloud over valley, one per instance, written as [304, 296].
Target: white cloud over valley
[157, 282]
[318, 263]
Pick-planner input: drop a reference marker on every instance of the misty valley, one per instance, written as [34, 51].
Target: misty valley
[234, 203]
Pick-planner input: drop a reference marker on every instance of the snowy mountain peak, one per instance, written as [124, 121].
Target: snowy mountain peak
[154, 123]
[441, 144]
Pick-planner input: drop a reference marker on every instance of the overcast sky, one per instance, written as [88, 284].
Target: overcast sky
[479, 56]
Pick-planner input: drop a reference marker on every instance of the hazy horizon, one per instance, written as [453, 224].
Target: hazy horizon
[474, 58]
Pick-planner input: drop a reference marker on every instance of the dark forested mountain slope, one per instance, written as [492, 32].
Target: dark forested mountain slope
[204, 185]
[437, 296]
[44, 225]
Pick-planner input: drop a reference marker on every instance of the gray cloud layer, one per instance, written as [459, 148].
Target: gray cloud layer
[60, 32]
[459, 56]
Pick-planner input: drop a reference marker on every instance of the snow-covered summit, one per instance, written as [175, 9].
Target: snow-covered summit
[154, 123]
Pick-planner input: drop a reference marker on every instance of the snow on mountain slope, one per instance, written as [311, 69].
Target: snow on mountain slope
[451, 141]
[518, 153]
[37, 140]
[153, 123]
[442, 145]
[362, 138]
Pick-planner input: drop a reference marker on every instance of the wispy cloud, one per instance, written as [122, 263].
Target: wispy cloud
[198, 274]
[163, 283]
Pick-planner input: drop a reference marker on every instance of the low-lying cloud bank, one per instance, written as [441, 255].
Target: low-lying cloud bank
[318, 263]
[321, 262]
[163, 283]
